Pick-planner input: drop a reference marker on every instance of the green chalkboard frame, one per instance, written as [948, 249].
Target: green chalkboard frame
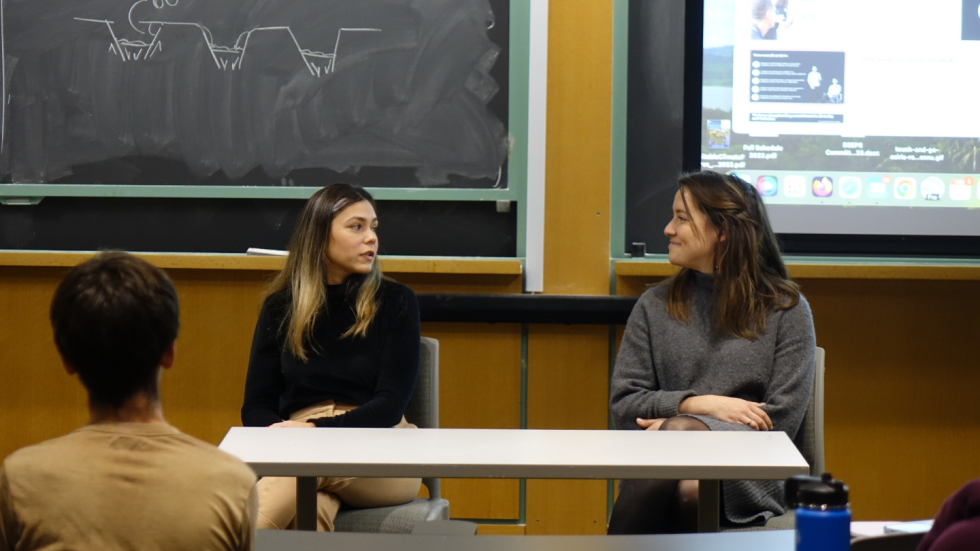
[620, 74]
[520, 28]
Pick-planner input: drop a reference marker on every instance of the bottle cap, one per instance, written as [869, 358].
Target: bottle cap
[817, 493]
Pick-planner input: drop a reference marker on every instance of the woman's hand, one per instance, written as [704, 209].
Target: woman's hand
[730, 410]
[292, 425]
[649, 424]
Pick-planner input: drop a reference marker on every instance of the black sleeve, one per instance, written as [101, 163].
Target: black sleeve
[399, 368]
[264, 382]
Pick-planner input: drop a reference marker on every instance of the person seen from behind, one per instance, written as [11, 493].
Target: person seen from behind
[127, 480]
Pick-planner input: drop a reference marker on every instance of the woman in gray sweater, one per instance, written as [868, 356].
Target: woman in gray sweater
[725, 344]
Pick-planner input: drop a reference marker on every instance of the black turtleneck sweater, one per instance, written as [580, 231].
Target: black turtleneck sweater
[376, 372]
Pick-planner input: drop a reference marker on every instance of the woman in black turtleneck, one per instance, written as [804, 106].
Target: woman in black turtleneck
[336, 345]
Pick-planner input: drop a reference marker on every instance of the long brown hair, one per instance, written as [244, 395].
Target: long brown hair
[305, 272]
[750, 277]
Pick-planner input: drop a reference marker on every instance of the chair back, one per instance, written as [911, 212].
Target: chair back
[809, 439]
[423, 407]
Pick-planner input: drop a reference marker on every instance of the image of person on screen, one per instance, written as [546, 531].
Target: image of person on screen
[127, 479]
[813, 80]
[763, 20]
[783, 20]
[336, 345]
[726, 344]
[835, 92]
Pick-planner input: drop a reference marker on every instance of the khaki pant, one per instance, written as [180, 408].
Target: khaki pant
[277, 495]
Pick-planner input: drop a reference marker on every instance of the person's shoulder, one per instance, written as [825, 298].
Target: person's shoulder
[393, 288]
[798, 313]
[277, 299]
[651, 304]
[396, 294]
[36, 457]
[210, 463]
[655, 296]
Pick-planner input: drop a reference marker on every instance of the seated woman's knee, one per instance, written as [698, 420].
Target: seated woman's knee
[687, 493]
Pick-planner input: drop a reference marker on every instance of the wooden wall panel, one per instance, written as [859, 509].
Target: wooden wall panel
[578, 147]
[567, 389]
[202, 393]
[479, 387]
[38, 400]
[500, 530]
[567, 366]
[463, 283]
[902, 422]
[635, 286]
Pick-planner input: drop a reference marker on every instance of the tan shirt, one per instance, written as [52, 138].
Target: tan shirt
[133, 486]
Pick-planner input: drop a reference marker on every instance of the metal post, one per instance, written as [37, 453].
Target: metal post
[709, 505]
[306, 503]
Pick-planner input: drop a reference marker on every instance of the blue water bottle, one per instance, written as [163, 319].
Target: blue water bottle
[823, 516]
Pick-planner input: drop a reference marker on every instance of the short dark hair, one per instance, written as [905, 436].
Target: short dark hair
[760, 8]
[114, 317]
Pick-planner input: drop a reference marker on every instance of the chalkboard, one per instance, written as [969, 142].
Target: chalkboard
[655, 133]
[205, 124]
[243, 93]
[202, 225]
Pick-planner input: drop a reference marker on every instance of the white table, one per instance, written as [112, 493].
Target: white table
[277, 540]
[502, 453]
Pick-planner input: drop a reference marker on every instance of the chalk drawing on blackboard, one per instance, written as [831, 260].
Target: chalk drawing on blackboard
[415, 104]
[225, 57]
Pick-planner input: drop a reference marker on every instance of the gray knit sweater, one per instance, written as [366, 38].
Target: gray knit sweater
[662, 361]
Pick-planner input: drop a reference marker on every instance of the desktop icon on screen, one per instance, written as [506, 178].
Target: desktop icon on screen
[794, 186]
[960, 189]
[878, 187]
[767, 186]
[823, 186]
[719, 133]
[850, 187]
[933, 188]
[904, 188]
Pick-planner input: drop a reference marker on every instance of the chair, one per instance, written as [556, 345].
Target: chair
[809, 440]
[888, 542]
[423, 410]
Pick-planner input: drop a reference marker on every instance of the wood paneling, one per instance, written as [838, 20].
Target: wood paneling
[559, 507]
[634, 286]
[567, 389]
[38, 400]
[198, 261]
[202, 393]
[835, 268]
[479, 387]
[567, 385]
[467, 283]
[500, 530]
[567, 366]
[578, 147]
[902, 422]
